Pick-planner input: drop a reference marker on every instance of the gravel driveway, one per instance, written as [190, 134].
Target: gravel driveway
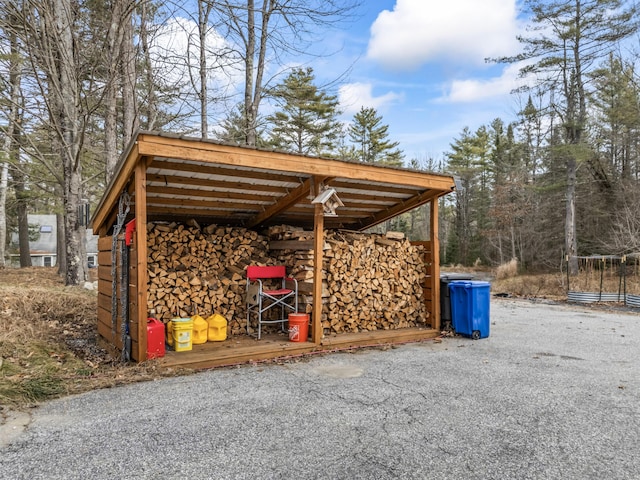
[552, 393]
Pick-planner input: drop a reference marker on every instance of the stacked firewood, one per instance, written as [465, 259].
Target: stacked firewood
[201, 270]
[370, 281]
[294, 248]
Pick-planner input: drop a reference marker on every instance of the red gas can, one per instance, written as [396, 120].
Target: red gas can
[155, 338]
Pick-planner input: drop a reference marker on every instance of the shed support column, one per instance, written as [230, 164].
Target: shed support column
[435, 265]
[318, 251]
[141, 247]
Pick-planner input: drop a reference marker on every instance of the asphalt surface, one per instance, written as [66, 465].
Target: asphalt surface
[552, 393]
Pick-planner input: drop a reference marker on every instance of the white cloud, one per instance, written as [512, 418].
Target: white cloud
[176, 56]
[354, 96]
[461, 31]
[475, 90]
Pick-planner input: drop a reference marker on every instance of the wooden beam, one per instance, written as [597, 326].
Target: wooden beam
[281, 205]
[141, 248]
[198, 193]
[234, 214]
[190, 182]
[202, 203]
[291, 245]
[213, 354]
[399, 190]
[398, 209]
[209, 152]
[318, 252]
[116, 185]
[221, 170]
[435, 265]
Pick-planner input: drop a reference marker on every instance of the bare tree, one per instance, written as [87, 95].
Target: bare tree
[9, 145]
[150, 108]
[120, 77]
[626, 224]
[52, 41]
[129, 75]
[204, 12]
[274, 30]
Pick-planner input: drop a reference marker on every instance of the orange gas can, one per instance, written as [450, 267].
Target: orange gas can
[155, 338]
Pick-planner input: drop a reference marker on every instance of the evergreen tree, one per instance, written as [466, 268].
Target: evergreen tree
[307, 120]
[470, 160]
[461, 164]
[569, 37]
[234, 129]
[369, 136]
[617, 121]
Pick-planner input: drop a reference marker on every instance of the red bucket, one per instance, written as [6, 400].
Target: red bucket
[155, 338]
[298, 327]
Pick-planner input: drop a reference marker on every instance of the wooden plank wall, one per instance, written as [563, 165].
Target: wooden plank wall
[427, 257]
[113, 340]
[110, 338]
[134, 324]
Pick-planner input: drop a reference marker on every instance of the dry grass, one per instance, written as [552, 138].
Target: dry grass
[507, 270]
[554, 285]
[548, 286]
[48, 341]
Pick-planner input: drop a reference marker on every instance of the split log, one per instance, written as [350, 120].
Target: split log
[370, 281]
[201, 270]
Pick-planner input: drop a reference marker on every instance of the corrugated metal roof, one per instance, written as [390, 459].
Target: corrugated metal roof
[218, 183]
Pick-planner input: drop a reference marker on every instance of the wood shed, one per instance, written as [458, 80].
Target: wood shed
[239, 205]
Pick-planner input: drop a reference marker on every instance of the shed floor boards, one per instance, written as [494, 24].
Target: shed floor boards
[244, 349]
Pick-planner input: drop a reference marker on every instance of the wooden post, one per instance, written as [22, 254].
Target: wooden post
[141, 247]
[435, 267]
[318, 251]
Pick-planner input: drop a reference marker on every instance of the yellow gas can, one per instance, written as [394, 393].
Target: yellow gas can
[217, 328]
[200, 327]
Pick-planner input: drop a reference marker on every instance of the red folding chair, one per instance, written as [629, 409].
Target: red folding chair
[260, 300]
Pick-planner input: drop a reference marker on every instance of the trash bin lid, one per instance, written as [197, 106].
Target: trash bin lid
[450, 277]
[468, 284]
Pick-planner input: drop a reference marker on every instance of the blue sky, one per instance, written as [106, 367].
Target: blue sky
[421, 64]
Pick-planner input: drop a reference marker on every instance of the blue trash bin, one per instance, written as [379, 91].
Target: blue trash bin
[470, 308]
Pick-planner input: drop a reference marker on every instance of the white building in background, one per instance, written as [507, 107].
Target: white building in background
[43, 248]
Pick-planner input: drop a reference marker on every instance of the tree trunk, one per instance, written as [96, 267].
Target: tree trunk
[9, 148]
[4, 175]
[21, 200]
[114, 56]
[151, 103]
[110, 130]
[129, 101]
[249, 113]
[61, 250]
[570, 221]
[65, 116]
[203, 20]
[23, 222]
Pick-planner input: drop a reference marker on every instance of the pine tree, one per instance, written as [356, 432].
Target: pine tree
[234, 129]
[268, 31]
[462, 165]
[617, 102]
[569, 38]
[369, 136]
[307, 121]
